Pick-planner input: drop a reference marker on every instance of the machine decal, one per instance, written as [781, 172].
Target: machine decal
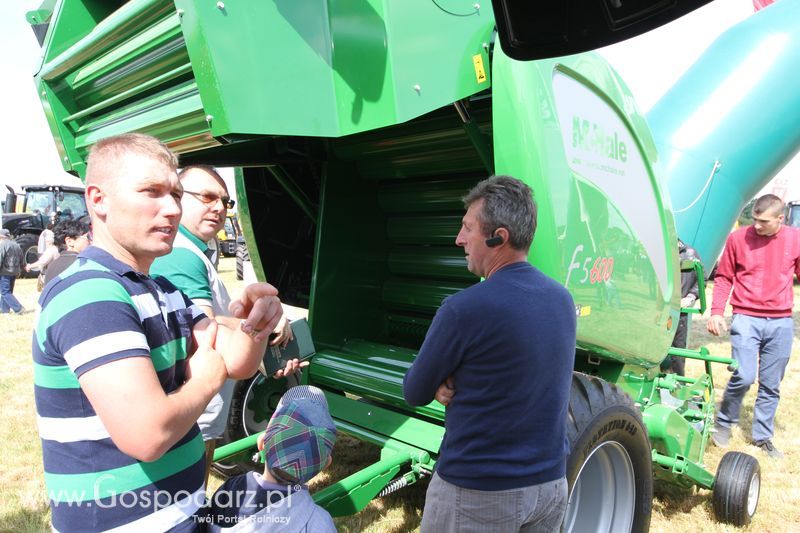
[595, 270]
[601, 150]
[480, 72]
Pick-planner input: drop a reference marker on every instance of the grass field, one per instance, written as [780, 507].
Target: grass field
[23, 507]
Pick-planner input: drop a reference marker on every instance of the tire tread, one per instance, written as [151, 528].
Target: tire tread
[731, 487]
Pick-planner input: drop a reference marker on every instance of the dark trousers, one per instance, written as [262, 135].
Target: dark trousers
[673, 363]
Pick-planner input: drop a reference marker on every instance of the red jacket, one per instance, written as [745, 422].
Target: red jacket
[761, 270]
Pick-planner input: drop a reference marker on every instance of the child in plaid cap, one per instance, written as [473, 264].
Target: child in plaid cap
[296, 446]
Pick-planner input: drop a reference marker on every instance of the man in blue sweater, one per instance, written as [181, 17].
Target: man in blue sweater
[499, 356]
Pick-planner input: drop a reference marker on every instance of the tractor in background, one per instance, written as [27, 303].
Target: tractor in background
[40, 207]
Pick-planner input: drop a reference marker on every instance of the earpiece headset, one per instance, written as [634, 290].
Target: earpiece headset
[494, 240]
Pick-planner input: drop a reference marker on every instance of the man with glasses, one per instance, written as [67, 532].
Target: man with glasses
[205, 204]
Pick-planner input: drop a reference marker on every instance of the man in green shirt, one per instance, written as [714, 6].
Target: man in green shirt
[205, 204]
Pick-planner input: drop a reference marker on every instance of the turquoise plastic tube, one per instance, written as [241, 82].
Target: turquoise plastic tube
[730, 124]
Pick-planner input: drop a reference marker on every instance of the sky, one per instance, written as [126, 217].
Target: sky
[650, 64]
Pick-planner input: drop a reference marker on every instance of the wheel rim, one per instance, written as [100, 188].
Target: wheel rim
[256, 414]
[604, 493]
[753, 493]
[31, 255]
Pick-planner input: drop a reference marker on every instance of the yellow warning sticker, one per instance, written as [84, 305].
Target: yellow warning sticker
[480, 73]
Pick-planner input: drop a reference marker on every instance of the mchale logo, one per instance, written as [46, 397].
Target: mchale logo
[591, 137]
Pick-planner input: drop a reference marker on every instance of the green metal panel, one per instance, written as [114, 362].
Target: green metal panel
[42, 14]
[370, 370]
[70, 22]
[420, 294]
[429, 261]
[437, 195]
[394, 426]
[123, 71]
[568, 127]
[435, 230]
[670, 433]
[246, 221]
[331, 68]
[681, 471]
[348, 276]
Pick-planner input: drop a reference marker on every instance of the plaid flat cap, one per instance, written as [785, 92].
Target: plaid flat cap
[300, 436]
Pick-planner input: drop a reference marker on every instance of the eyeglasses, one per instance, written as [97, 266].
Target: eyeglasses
[211, 199]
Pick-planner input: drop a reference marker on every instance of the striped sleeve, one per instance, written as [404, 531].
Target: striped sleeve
[92, 321]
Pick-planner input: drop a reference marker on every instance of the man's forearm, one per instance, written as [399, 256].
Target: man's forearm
[242, 354]
[142, 420]
[184, 406]
[719, 298]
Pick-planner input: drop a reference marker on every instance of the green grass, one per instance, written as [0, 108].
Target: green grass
[23, 507]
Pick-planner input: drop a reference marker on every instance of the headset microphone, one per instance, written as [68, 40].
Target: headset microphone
[496, 240]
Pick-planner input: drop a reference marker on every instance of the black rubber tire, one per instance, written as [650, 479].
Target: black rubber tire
[737, 487]
[242, 255]
[228, 248]
[252, 404]
[609, 448]
[30, 252]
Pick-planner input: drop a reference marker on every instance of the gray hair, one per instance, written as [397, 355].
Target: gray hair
[507, 203]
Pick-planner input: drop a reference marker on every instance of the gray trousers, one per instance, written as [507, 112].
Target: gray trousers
[762, 347]
[449, 508]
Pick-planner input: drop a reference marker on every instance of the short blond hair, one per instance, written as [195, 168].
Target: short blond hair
[106, 155]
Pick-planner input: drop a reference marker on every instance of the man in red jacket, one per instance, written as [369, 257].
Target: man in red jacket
[759, 262]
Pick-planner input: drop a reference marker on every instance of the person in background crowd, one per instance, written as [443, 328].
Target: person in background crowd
[45, 237]
[71, 238]
[690, 292]
[49, 255]
[10, 268]
[760, 263]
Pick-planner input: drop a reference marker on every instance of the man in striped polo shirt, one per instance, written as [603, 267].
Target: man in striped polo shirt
[124, 364]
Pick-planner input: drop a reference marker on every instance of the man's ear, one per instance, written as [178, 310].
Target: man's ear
[96, 200]
[503, 233]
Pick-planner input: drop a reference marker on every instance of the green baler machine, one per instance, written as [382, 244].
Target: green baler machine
[356, 127]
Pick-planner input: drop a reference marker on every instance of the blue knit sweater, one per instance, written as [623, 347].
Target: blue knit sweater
[509, 343]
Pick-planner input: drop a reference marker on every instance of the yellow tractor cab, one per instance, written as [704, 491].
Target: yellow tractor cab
[228, 234]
